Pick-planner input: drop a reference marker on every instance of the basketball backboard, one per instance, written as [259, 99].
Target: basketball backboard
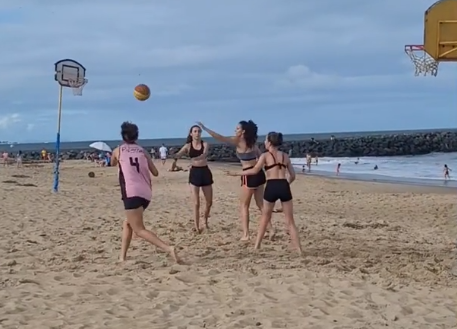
[69, 71]
[440, 31]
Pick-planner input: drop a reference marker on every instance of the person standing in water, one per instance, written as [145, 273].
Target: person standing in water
[200, 176]
[277, 164]
[446, 171]
[248, 153]
[135, 169]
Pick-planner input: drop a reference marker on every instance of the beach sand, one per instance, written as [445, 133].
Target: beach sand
[376, 256]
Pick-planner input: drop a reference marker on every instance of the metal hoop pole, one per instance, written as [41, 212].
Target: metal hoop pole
[57, 157]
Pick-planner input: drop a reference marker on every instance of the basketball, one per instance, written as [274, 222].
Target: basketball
[141, 92]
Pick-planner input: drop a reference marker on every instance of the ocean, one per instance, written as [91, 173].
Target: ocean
[417, 170]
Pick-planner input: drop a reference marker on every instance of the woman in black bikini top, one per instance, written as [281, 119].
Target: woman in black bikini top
[277, 188]
[200, 176]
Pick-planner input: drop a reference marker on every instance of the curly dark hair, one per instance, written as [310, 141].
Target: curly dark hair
[275, 138]
[129, 132]
[249, 132]
[189, 137]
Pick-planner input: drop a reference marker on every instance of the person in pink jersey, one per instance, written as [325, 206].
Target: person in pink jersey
[135, 169]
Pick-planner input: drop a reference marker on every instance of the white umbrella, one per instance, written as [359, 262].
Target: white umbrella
[101, 146]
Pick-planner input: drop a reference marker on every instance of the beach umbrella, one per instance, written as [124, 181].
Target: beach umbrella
[101, 146]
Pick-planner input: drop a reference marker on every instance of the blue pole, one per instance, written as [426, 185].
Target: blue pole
[57, 157]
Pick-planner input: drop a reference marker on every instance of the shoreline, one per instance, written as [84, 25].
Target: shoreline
[450, 186]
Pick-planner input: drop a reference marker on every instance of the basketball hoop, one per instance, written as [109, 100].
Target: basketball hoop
[77, 86]
[423, 62]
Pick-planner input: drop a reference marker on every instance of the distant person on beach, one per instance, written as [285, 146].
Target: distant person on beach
[19, 157]
[338, 168]
[446, 171]
[153, 152]
[175, 167]
[163, 154]
[316, 160]
[200, 176]
[358, 160]
[309, 159]
[376, 167]
[44, 154]
[277, 164]
[135, 169]
[5, 159]
[248, 153]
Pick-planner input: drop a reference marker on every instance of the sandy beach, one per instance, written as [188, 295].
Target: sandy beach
[376, 256]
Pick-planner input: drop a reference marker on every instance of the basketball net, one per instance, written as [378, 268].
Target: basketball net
[77, 86]
[423, 62]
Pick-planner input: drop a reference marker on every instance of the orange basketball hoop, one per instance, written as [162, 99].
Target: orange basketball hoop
[423, 62]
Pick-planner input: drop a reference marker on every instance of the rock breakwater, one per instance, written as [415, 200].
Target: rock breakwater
[380, 145]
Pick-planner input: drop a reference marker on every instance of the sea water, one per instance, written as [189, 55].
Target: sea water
[419, 169]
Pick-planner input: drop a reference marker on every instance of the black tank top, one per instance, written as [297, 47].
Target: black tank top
[193, 153]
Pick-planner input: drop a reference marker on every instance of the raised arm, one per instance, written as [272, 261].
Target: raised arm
[229, 140]
[204, 154]
[258, 166]
[290, 169]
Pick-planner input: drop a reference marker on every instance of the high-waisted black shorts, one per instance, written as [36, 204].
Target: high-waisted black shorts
[135, 203]
[253, 181]
[277, 189]
[200, 176]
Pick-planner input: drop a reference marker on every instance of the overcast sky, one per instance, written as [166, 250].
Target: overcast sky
[294, 66]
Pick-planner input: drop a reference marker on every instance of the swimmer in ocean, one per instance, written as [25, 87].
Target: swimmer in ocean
[277, 164]
[135, 169]
[446, 171]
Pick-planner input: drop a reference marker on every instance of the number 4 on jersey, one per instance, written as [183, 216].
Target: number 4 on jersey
[134, 162]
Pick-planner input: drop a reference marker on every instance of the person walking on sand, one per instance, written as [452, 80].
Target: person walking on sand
[200, 176]
[248, 153]
[135, 169]
[338, 168]
[163, 154]
[446, 171]
[277, 164]
[5, 158]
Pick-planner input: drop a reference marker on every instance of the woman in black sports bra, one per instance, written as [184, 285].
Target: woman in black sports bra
[248, 153]
[277, 164]
[200, 176]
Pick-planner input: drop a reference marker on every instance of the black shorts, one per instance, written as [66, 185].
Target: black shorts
[253, 181]
[277, 189]
[135, 203]
[200, 176]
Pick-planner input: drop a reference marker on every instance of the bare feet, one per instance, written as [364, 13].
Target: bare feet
[175, 256]
[197, 230]
[245, 238]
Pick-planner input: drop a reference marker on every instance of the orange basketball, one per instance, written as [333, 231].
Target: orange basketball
[141, 92]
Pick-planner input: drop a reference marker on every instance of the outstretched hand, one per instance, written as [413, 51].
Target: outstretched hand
[200, 124]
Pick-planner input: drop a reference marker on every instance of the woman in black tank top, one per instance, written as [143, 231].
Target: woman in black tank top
[245, 140]
[277, 165]
[200, 176]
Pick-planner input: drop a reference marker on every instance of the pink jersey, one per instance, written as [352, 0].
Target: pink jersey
[134, 176]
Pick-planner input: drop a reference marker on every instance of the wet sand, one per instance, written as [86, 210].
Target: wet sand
[376, 256]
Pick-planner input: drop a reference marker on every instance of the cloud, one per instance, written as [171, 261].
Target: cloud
[9, 120]
[219, 64]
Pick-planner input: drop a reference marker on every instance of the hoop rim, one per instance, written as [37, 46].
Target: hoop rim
[77, 83]
[410, 48]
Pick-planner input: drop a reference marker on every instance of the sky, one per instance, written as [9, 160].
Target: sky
[293, 66]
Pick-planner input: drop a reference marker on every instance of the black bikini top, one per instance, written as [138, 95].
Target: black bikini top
[193, 153]
[275, 164]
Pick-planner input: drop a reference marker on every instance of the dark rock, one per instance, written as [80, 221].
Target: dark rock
[378, 145]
